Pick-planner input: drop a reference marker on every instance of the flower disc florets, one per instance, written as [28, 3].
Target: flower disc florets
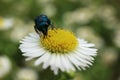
[59, 41]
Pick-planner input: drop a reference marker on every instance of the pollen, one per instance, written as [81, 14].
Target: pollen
[59, 41]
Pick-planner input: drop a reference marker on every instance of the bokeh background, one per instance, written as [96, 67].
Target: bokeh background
[97, 21]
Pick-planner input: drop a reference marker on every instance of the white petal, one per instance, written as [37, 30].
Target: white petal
[34, 54]
[82, 41]
[59, 62]
[28, 40]
[81, 59]
[69, 63]
[88, 45]
[25, 45]
[31, 49]
[52, 61]
[29, 58]
[34, 35]
[87, 57]
[39, 60]
[64, 63]
[77, 61]
[46, 60]
[74, 61]
[87, 51]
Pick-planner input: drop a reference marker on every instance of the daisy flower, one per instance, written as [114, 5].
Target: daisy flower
[26, 74]
[6, 23]
[5, 66]
[59, 50]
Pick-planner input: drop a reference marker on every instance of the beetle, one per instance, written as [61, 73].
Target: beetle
[42, 22]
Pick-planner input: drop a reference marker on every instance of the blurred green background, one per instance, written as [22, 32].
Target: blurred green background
[97, 21]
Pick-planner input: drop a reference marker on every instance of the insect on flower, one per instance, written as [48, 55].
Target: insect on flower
[42, 22]
[58, 49]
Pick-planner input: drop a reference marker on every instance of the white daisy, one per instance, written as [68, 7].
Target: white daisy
[26, 74]
[6, 23]
[60, 50]
[5, 66]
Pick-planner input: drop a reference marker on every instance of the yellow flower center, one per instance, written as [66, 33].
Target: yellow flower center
[59, 41]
